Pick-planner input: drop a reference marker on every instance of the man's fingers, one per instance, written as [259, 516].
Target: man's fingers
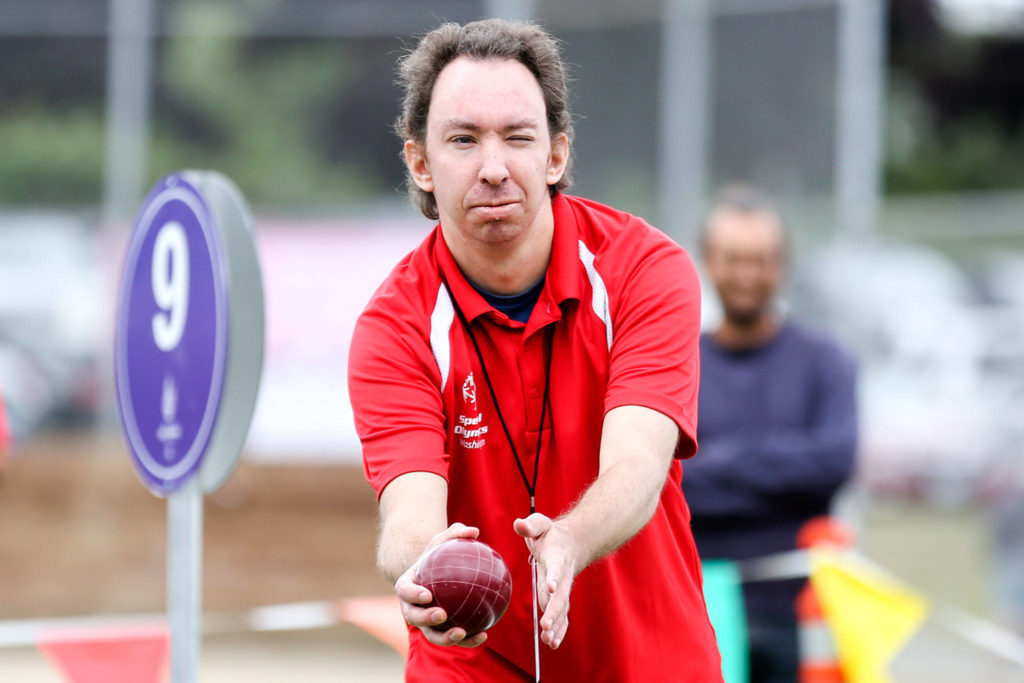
[422, 617]
[558, 610]
[414, 601]
[453, 636]
[559, 635]
[555, 620]
[549, 577]
[475, 641]
[410, 592]
[533, 526]
[460, 530]
[443, 638]
[543, 594]
[553, 631]
[457, 530]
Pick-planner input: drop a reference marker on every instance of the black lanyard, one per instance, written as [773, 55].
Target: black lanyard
[531, 486]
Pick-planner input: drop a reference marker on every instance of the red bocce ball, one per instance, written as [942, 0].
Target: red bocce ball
[469, 580]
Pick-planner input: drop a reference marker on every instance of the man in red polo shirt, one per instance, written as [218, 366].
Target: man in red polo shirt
[529, 375]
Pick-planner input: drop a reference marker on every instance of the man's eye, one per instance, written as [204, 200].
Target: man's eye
[521, 139]
[462, 139]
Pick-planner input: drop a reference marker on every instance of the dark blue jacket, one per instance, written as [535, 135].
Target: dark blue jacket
[777, 431]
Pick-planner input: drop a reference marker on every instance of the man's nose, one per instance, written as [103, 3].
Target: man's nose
[493, 167]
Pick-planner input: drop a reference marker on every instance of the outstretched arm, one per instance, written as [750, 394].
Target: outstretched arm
[413, 512]
[413, 509]
[637, 446]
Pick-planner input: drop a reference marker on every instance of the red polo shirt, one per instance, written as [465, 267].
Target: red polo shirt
[623, 304]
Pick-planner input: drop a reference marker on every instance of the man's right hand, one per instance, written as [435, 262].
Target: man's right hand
[415, 599]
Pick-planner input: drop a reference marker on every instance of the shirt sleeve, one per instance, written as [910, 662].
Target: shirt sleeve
[655, 355]
[746, 474]
[394, 387]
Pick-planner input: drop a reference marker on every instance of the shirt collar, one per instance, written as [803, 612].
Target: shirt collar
[565, 277]
[472, 304]
[562, 280]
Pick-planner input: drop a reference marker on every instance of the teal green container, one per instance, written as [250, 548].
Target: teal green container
[724, 597]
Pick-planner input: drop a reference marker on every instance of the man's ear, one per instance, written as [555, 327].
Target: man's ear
[559, 158]
[416, 160]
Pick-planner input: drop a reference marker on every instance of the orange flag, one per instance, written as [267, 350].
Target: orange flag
[89, 656]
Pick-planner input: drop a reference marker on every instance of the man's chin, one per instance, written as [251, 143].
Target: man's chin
[744, 318]
[499, 232]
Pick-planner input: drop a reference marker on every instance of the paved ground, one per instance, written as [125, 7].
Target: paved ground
[340, 655]
[79, 535]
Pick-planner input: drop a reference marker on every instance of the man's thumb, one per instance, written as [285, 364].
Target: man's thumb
[533, 526]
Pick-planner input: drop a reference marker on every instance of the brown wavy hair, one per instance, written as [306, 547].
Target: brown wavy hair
[524, 42]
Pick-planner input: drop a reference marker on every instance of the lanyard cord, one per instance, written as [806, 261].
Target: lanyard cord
[531, 486]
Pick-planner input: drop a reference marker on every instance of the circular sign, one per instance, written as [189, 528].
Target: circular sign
[175, 350]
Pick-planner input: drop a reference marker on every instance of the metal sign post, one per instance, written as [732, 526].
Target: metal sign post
[187, 358]
[185, 579]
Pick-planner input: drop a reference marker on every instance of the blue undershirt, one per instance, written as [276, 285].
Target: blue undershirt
[515, 306]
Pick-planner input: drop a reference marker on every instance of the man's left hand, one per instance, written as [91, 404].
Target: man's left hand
[554, 550]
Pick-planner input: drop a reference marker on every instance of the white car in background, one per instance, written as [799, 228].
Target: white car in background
[934, 418]
[1000, 276]
[51, 317]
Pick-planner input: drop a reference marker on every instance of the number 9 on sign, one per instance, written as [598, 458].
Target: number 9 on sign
[170, 285]
[184, 408]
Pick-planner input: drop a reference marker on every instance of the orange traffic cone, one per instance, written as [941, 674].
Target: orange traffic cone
[819, 659]
[819, 662]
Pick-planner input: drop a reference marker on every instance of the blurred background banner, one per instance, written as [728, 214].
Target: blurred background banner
[892, 132]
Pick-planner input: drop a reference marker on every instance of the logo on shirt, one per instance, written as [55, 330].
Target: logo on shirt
[469, 390]
[470, 428]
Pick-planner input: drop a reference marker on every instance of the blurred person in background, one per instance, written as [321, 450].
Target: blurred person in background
[777, 420]
[529, 374]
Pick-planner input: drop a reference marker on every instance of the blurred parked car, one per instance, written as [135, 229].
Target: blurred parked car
[51, 314]
[1000, 279]
[935, 417]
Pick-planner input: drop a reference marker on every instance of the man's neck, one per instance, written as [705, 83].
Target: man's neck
[737, 336]
[508, 267]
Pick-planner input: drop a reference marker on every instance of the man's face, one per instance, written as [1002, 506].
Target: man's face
[488, 156]
[744, 259]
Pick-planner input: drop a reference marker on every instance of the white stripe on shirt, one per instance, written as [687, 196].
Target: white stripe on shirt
[440, 328]
[600, 298]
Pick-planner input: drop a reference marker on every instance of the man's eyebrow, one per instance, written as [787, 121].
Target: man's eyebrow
[461, 124]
